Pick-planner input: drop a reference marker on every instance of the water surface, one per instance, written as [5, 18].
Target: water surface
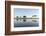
[26, 22]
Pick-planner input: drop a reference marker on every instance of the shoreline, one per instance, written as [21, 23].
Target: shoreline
[26, 18]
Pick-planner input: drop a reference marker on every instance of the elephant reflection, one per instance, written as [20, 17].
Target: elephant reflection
[17, 19]
[24, 20]
[34, 20]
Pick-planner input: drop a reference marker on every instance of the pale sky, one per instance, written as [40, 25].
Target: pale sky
[25, 12]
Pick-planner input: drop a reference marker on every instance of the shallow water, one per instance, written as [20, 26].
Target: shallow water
[26, 22]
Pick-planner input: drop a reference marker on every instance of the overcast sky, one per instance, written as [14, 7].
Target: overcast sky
[25, 12]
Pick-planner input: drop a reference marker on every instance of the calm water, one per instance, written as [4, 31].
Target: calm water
[26, 23]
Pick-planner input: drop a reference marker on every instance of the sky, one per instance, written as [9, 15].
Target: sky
[25, 12]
